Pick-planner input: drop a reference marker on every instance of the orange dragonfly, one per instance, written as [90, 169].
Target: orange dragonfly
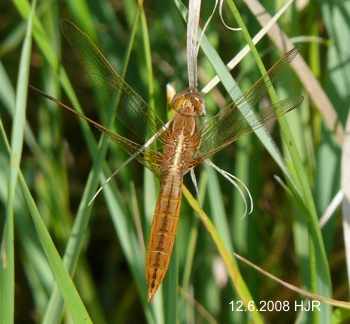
[171, 149]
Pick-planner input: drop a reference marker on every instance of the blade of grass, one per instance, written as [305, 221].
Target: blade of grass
[303, 71]
[217, 208]
[74, 304]
[337, 303]
[236, 278]
[345, 184]
[82, 13]
[192, 241]
[7, 269]
[320, 275]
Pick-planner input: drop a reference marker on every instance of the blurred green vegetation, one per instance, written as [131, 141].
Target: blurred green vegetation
[104, 245]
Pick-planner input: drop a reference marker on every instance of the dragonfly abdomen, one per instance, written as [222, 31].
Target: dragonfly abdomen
[181, 142]
[163, 232]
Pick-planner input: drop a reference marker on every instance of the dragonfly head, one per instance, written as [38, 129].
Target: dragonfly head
[189, 102]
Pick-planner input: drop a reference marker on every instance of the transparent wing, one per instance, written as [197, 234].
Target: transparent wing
[231, 123]
[129, 108]
[149, 158]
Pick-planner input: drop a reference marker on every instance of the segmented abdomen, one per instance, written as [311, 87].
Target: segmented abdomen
[163, 230]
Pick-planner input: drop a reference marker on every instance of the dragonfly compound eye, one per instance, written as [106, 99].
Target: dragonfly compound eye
[189, 102]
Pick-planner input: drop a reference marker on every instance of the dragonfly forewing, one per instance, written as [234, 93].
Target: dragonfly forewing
[129, 108]
[239, 118]
[151, 159]
[228, 126]
[142, 153]
[259, 89]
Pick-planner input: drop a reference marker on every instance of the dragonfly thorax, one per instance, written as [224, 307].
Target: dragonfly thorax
[189, 102]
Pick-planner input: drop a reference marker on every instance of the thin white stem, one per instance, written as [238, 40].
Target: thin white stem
[335, 203]
[194, 181]
[222, 19]
[206, 24]
[236, 182]
[246, 48]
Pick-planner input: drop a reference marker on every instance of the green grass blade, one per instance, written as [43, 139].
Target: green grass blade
[321, 282]
[7, 275]
[70, 295]
[236, 278]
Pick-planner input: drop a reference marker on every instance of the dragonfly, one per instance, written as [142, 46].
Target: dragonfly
[172, 149]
